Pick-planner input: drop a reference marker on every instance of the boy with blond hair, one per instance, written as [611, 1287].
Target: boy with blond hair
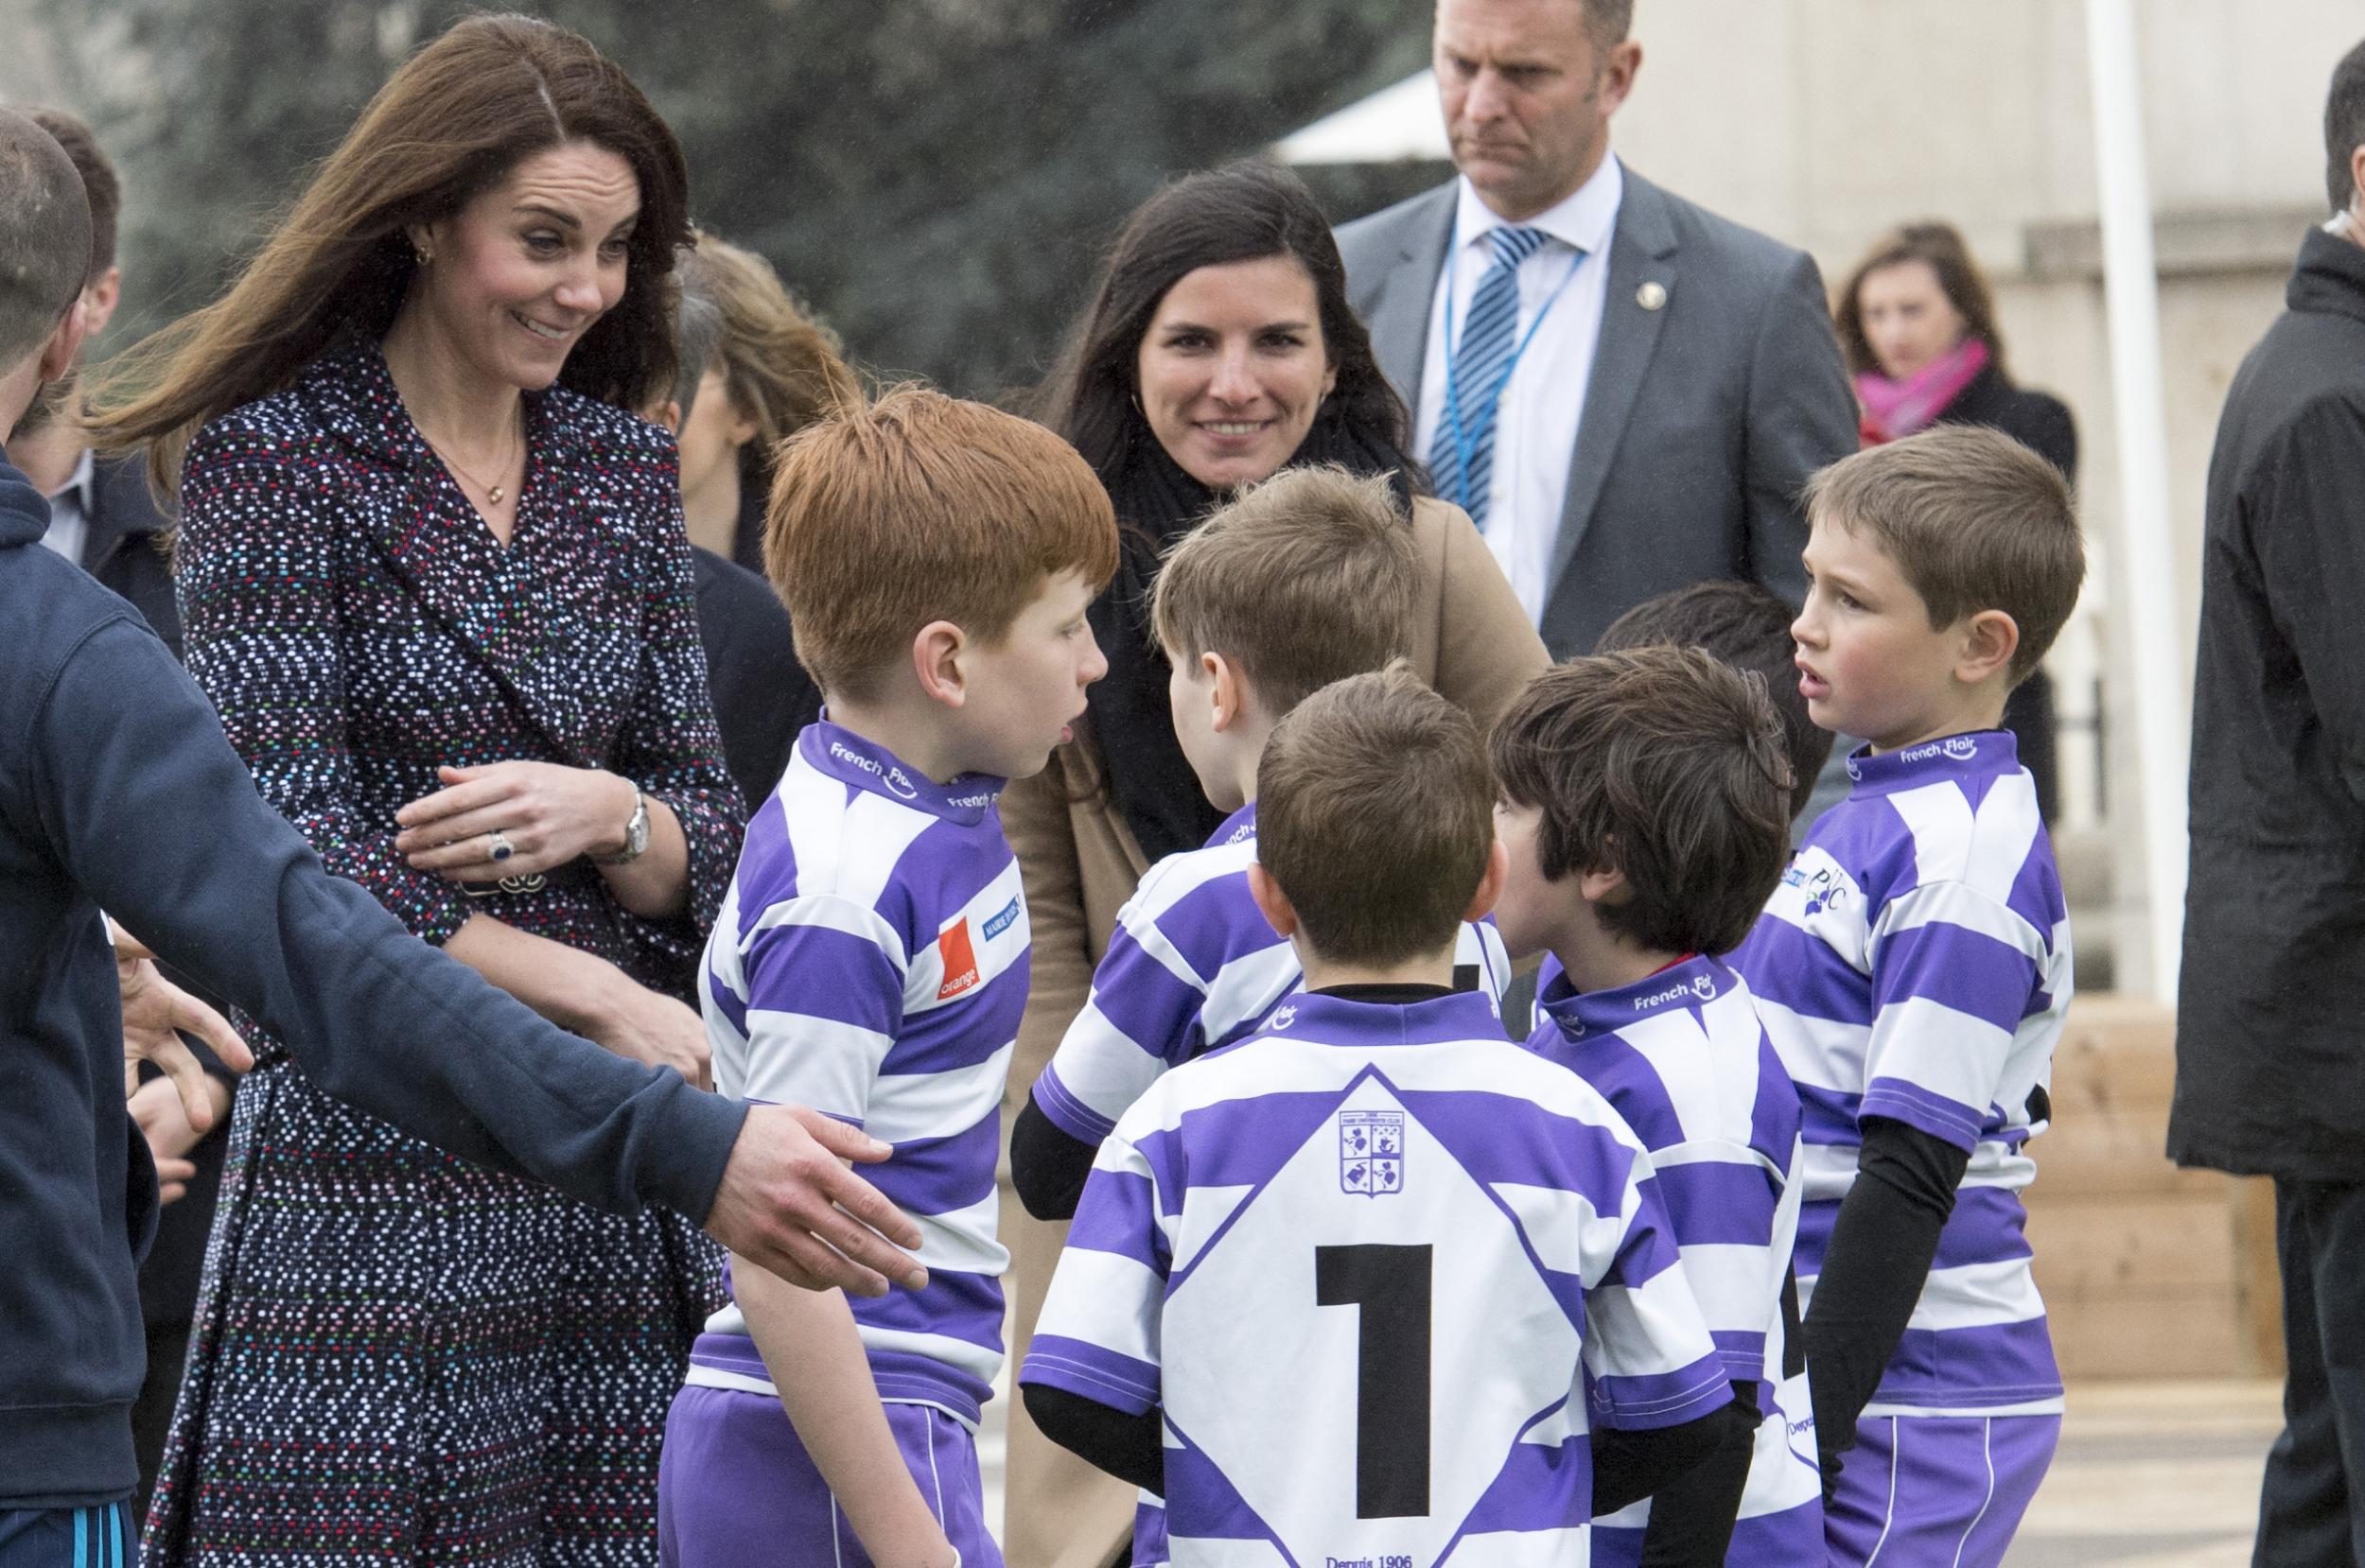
[1644, 812]
[938, 558]
[1912, 969]
[1375, 1284]
[1304, 580]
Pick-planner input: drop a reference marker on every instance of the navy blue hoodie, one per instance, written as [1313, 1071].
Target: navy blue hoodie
[119, 791]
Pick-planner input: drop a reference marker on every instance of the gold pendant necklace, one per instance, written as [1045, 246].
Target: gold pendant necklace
[494, 493]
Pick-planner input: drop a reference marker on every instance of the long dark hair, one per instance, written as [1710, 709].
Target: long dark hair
[1941, 246]
[1245, 211]
[451, 124]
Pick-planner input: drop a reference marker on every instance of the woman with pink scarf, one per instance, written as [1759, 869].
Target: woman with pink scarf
[1918, 328]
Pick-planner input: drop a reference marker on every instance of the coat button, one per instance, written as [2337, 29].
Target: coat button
[1650, 296]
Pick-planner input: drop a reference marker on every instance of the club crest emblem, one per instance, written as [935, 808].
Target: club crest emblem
[1371, 1152]
[1825, 890]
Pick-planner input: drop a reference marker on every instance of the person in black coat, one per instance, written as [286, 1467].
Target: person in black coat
[777, 369]
[762, 696]
[1917, 327]
[2270, 1012]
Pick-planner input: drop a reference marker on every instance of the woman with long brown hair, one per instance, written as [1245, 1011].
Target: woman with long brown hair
[435, 579]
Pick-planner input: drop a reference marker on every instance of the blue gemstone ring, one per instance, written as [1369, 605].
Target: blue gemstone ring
[502, 848]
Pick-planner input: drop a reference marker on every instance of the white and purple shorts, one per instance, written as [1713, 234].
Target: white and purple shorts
[1938, 1489]
[737, 1487]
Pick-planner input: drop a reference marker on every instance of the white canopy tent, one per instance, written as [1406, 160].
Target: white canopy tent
[1397, 124]
[1402, 122]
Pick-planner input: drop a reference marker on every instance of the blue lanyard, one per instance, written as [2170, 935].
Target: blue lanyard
[1464, 440]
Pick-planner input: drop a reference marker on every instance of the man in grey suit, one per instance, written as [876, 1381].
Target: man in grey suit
[1624, 391]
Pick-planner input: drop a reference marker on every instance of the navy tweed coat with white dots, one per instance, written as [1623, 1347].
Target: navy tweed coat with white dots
[399, 1357]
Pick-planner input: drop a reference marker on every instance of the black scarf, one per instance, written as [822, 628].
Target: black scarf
[1156, 504]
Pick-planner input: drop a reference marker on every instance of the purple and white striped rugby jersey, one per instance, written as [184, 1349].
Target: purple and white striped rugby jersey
[871, 962]
[1193, 966]
[1915, 964]
[1370, 1264]
[1683, 1058]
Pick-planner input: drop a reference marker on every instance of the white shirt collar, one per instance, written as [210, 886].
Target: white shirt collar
[1583, 219]
[77, 483]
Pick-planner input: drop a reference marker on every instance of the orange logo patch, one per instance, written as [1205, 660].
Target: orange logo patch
[960, 960]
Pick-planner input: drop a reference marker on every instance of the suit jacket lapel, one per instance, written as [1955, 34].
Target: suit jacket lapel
[431, 538]
[1398, 304]
[1641, 251]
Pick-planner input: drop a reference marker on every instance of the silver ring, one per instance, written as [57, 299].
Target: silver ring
[502, 848]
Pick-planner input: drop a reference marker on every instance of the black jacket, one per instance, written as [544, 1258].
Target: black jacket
[127, 546]
[2036, 420]
[2270, 1024]
[118, 790]
[762, 697]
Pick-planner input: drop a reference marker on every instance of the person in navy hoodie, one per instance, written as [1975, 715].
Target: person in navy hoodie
[117, 789]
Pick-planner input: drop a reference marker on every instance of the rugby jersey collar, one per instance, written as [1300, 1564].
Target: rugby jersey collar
[850, 760]
[1693, 983]
[1336, 1021]
[1979, 754]
[1239, 825]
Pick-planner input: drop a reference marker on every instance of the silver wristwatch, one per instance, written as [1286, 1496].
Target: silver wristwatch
[636, 835]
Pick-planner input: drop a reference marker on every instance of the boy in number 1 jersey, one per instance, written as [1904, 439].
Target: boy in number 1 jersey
[1375, 1284]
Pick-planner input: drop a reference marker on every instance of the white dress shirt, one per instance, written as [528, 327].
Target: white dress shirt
[1536, 426]
[69, 512]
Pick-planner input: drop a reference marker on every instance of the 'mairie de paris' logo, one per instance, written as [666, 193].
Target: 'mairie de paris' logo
[1371, 1152]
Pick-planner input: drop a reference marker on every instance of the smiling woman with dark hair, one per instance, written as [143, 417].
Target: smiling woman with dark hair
[1219, 349]
[435, 579]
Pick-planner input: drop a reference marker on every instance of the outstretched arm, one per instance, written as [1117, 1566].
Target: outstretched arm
[155, 818]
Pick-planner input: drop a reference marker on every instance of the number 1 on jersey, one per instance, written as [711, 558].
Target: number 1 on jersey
[1391, 1286]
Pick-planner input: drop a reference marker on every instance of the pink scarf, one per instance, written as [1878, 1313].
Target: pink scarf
[1895, 409]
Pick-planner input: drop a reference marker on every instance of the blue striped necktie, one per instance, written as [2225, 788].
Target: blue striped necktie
[1488, 337]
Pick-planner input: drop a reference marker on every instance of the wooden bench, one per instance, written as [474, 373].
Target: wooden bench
[2148, 1271]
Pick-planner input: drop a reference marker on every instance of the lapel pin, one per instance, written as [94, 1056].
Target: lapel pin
[1650, 296]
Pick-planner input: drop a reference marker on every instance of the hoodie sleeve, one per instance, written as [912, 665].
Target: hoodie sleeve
[155, 817]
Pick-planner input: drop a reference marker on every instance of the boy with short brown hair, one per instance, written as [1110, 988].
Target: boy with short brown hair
[1375, 1284]
[938, 558]
[1913, 970]
[1302, 581]
[1645, 815]
[1748, 628]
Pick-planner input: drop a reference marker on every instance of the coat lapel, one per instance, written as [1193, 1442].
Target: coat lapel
[431, 539]
[1398, 306]
[1641, 253]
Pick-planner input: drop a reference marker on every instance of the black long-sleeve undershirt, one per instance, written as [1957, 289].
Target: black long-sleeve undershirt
[1047, 1166]
[1873, 1272]
[1692, 1514]
[1131, 1448]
